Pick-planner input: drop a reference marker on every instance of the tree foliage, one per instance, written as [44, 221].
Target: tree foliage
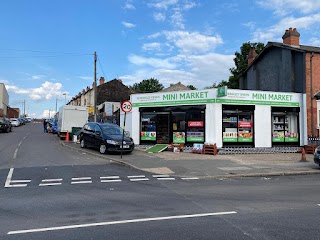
[192, 87]
[241, 62]
[147, 86]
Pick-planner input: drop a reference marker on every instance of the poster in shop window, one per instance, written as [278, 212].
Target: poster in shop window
[179, 137]
[195, 136]
[148, 136]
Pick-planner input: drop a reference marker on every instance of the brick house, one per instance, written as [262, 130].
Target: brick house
[109, 96]
[287, 67]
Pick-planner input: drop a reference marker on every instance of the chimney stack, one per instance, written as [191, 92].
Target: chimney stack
[251, 55]
[101, 80]
[291, 37]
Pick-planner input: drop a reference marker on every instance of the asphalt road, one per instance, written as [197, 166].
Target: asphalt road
[48, 191]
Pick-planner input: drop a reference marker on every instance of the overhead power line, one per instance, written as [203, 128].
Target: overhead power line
[104, 75]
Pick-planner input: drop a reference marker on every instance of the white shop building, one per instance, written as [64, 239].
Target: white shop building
[237, 118]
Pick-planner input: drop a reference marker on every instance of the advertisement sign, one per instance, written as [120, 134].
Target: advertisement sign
[243, 124]
[278, 137]
[245, 136]
[230, 137]
[148, 136]
[195, 136]
[179, 137]
[195, 123]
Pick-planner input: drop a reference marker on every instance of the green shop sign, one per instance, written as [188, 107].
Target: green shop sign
[219, 95]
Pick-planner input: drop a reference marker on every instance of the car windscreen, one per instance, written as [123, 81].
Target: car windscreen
[111, 130]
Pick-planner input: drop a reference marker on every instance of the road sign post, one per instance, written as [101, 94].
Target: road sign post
[126, 106]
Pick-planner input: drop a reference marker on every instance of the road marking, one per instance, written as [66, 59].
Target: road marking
[110, 177]
[81, 178]
[15, 153]
[190, 178]
[9, 180]
[156, 176]
[49, 184]
[52, 180]
[20, 143]
[318, 205]
[139, 179]
[118, 222]
[168, 178]
[138, 176]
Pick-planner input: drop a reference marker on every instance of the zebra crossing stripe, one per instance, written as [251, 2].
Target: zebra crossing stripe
[81, 180]
[110, 179]
[50, 182]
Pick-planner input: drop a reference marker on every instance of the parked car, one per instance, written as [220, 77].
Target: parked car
[106, 137]
[5, 125]
[22, 121]
[15, 122]
[316, 156]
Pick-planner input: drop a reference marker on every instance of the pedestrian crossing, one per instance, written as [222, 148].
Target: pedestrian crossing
[47, 182]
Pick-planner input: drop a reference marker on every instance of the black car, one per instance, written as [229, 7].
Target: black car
[106, 137]
[5, 125]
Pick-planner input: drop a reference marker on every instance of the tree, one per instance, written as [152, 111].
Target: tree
[192, 87]
[241, 62]
[220, 84]
[147, 86]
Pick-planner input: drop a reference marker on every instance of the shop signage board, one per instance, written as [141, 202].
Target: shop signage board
[148, 136]
[179, 137]
[222, 91]
[233, 96]
[195, 123]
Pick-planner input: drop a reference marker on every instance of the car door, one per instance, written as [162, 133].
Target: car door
[97, 136]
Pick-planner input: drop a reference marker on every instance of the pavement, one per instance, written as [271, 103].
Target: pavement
[186, 164]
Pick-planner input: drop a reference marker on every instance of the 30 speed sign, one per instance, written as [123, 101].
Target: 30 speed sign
[126, 106]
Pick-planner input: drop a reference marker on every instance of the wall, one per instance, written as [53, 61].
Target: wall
[262, 126]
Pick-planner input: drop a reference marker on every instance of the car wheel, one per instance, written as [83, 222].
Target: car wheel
[82, 143]
[102, 148]
[8, 130]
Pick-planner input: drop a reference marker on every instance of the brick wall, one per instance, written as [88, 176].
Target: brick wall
[315, 89]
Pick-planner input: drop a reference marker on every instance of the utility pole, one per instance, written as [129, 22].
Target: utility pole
[56, 104]
[95, 87]
[24, 108]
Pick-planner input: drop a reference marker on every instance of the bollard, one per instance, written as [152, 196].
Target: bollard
[67, 137]
[303, 156]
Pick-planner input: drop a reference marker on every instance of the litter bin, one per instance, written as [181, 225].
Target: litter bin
[74, 131]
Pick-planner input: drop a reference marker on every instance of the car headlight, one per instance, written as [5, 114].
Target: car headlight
[112, 142]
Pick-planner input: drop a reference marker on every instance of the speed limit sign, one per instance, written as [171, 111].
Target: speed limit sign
[126, 106]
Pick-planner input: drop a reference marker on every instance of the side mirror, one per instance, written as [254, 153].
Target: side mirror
[126, 133]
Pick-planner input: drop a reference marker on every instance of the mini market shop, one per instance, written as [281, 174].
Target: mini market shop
[239, 118]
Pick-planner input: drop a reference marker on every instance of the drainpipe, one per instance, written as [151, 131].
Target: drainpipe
[311, 96]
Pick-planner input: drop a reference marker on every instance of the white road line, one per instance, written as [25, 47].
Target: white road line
[9, 180]
[318, 205]
[138, 176]
[118, 222]
[49, 184]
[110, 177]
[139, 179]
[190, 178]
[81, 178]
[20, 143]
[15, 154]
[156, 176]
[169, 178]
[52, 180]
[79, 182]
[20, 181]
[112, 180]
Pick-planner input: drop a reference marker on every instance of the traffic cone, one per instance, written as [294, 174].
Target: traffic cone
[303, 156]
[67, 137]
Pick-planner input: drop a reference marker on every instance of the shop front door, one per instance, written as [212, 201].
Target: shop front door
[162, 123]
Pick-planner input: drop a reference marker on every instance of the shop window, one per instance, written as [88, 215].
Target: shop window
[285, 127]
[237, 126]
[195, 126]
[148, 127]
[178, 127]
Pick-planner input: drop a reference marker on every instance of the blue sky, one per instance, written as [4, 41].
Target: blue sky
[46, 47]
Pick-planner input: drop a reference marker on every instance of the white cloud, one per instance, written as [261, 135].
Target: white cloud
[190, 42]
[85, 78]
[4, 81]
[153, 62]
[275, 32]
[314, 42]
[128, 25]
[159, 17]
[155, 46]
[48, 90]
[283, 7]
[177, 19]
[163, 4]
[129, 6]
[37, 77]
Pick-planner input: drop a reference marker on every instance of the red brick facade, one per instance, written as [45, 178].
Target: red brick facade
[315, 89]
